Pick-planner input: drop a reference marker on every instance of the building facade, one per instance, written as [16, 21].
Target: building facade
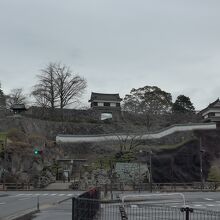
[106, 104]
[212, 112]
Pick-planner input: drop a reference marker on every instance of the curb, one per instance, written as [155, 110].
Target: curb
[22, 216]
[3, 195]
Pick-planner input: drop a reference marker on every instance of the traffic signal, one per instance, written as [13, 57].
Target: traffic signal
[38, 152]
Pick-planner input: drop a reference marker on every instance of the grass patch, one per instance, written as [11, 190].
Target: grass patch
[214, 174]
[3, 136]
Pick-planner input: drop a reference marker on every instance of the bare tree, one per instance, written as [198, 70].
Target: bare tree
[69, 86]
[16, 96]
[129, 142]
[58, 86]
[45, 92]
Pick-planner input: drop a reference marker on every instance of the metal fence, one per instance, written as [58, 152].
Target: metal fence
[90, 209]
[87, 205]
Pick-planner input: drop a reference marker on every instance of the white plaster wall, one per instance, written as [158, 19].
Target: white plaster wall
[146, 136]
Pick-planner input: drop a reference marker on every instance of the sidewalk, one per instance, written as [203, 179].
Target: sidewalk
[57, 212]
[58, 186]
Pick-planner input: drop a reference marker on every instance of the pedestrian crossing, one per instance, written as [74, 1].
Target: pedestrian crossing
[44, 195]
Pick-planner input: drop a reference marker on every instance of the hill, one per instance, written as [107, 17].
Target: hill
[176, 158]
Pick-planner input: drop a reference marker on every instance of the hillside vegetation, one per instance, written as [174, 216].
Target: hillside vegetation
[175, 158]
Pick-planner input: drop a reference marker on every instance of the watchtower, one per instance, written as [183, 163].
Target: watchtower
[108, 105]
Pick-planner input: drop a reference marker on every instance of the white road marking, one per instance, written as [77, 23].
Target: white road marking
[210, 205]
[208, 199]
[24, 199]
[20, 194]
[44, 194]
[198, 205]
[2, 203]
[61, 194]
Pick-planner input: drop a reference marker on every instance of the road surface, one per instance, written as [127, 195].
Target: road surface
[17, 202]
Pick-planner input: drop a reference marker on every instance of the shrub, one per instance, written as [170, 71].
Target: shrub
[214, 174]
[15, 134]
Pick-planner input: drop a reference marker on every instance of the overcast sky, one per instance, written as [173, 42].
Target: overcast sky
[116, 45]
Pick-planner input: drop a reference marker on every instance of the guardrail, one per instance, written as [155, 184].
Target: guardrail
[162, 187]
[19, 186]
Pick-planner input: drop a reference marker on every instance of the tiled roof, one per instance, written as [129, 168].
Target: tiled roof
[18, 107]
[215, 104]
[105, 97]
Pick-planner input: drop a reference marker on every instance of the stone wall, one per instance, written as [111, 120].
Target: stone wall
[71, 115]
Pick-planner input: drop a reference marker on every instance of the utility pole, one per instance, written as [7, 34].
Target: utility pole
[201, 151]
[150, 158]
[4, 162]
[139, 171]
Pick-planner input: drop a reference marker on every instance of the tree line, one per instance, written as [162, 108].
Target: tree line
[152, 103]
[58, 87]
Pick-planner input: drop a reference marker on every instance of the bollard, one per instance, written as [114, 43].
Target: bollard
[187, 210]
[73, 206]
[38, 204]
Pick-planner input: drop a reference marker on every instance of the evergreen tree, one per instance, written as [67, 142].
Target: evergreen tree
[183, 105]
[2, 99]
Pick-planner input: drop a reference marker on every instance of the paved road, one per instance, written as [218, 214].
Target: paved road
[201, 200]
[60, 211]
[17, 202]
[141, 210]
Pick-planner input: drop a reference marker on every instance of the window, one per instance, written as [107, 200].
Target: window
[100, 104]
[113, 104]
[211, 114]
[106, 103]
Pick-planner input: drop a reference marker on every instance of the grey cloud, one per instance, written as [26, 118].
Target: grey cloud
[116, 45]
